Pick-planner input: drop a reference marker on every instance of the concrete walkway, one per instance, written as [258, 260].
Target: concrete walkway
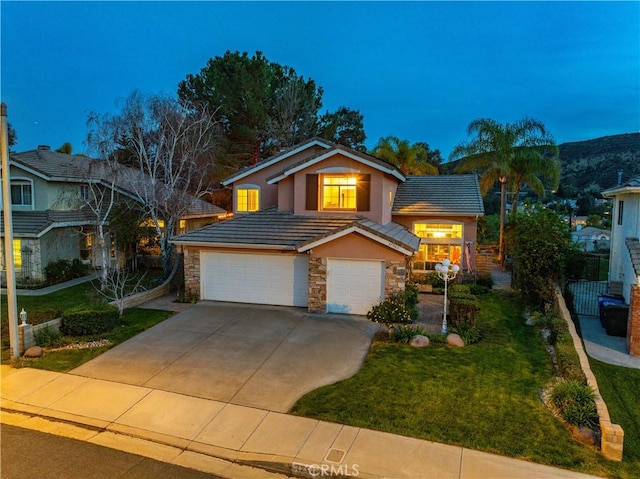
[52, 289]
[231, 440]
[605, 348]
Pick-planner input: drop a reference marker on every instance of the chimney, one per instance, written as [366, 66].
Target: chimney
[619, 177]
[44, 147]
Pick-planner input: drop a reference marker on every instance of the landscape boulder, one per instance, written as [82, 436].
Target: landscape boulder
[33, 352]
[455, 340]
[419, 341]
[585, 435]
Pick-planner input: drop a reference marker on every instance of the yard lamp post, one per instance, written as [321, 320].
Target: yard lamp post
[447, 272]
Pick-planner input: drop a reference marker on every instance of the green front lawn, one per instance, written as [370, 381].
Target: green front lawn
[484, 396]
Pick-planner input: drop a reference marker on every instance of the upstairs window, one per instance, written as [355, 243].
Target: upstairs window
[339, 192]
[620, 211]
[247, 199]
[21, 193]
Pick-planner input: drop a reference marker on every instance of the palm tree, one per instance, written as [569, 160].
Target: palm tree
[492, 153]
[411, 159]
[529, 167]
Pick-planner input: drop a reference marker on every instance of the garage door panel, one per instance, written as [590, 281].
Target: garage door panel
[255, 278]
[354, 286]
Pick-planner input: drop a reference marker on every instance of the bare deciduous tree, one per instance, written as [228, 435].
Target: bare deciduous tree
[168, 147]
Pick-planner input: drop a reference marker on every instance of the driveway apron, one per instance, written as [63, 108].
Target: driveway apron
[258, 356]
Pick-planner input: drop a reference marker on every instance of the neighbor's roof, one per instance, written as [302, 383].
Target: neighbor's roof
[439, 195]
[54, 166]
[272, 229]
[36, 223]
[631, 186]
[591, 231]
[633, 245]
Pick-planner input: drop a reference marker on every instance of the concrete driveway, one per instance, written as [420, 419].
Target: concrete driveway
[259, 356]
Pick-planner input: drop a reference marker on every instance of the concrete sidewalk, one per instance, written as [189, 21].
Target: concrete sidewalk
[231, 440]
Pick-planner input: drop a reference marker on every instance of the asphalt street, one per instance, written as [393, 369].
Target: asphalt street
[27, 453]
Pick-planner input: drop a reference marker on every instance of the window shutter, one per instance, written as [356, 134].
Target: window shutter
[363, 193]
[312, 192]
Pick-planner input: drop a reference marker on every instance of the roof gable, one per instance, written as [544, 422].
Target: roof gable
[631, 186]
[283, 155]
[363, 158]
[440, 195]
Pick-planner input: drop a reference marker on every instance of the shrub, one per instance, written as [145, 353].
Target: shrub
[390, 311]
[64, 270]
[89, 319]
[464, 306]
[434, 280]
[48, 336]
[575, 403]
[484, 280]
[468, 333]
[404, 334]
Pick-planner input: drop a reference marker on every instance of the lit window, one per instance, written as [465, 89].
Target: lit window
[21, 193]
[339, 193]
[439, 241]
[247, 199]
[17, 253]
[424, 230]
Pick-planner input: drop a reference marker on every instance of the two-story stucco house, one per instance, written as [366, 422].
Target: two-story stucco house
[51, 221]
[331, 229]
[624, 262]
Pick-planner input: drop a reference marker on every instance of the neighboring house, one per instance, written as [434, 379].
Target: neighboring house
[331, 229]
[624, 262]
[592, 239]
[50, 218]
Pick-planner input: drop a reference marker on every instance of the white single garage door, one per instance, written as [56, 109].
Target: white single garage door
[255, 278]
[353, 286]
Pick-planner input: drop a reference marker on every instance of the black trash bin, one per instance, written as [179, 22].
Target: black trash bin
[615, 319]
[605, 299]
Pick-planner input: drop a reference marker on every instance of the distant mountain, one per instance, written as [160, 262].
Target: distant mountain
[594, 164]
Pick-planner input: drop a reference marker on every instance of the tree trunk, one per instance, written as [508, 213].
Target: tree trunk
[514, 203]
[503, 202]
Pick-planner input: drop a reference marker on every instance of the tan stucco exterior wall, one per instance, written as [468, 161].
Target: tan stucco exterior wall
[356, 246]
[379, 208]
[286, 193]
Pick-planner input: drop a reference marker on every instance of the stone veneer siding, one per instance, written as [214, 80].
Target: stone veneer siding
[633, 324]
[394, 281]
[192, 271]
[317, 300]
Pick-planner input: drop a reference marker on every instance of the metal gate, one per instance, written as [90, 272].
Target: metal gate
[585, 296]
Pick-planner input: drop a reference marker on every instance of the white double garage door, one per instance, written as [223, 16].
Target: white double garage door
[353, 286]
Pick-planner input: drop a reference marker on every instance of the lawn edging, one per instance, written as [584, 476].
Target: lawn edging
[26, 332]
[612, 440]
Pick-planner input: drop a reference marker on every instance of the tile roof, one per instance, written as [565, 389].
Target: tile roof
[439, 195]
[284, 230]
[633, 245]
[56, 166]
[35, 223]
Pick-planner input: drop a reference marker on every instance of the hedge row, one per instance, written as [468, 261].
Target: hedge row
[89, 319]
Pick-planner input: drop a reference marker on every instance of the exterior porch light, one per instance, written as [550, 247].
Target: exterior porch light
[23, 317]
[447, 272]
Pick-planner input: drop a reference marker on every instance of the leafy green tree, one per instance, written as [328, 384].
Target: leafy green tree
[66, 148]
[410, 159]
[344, 126]
[12, 136]
[492, 152]
[542, 249]
[261, 105]
[594, 220]
[433, 157]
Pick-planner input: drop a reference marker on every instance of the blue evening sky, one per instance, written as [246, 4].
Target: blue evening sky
[418, 70]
